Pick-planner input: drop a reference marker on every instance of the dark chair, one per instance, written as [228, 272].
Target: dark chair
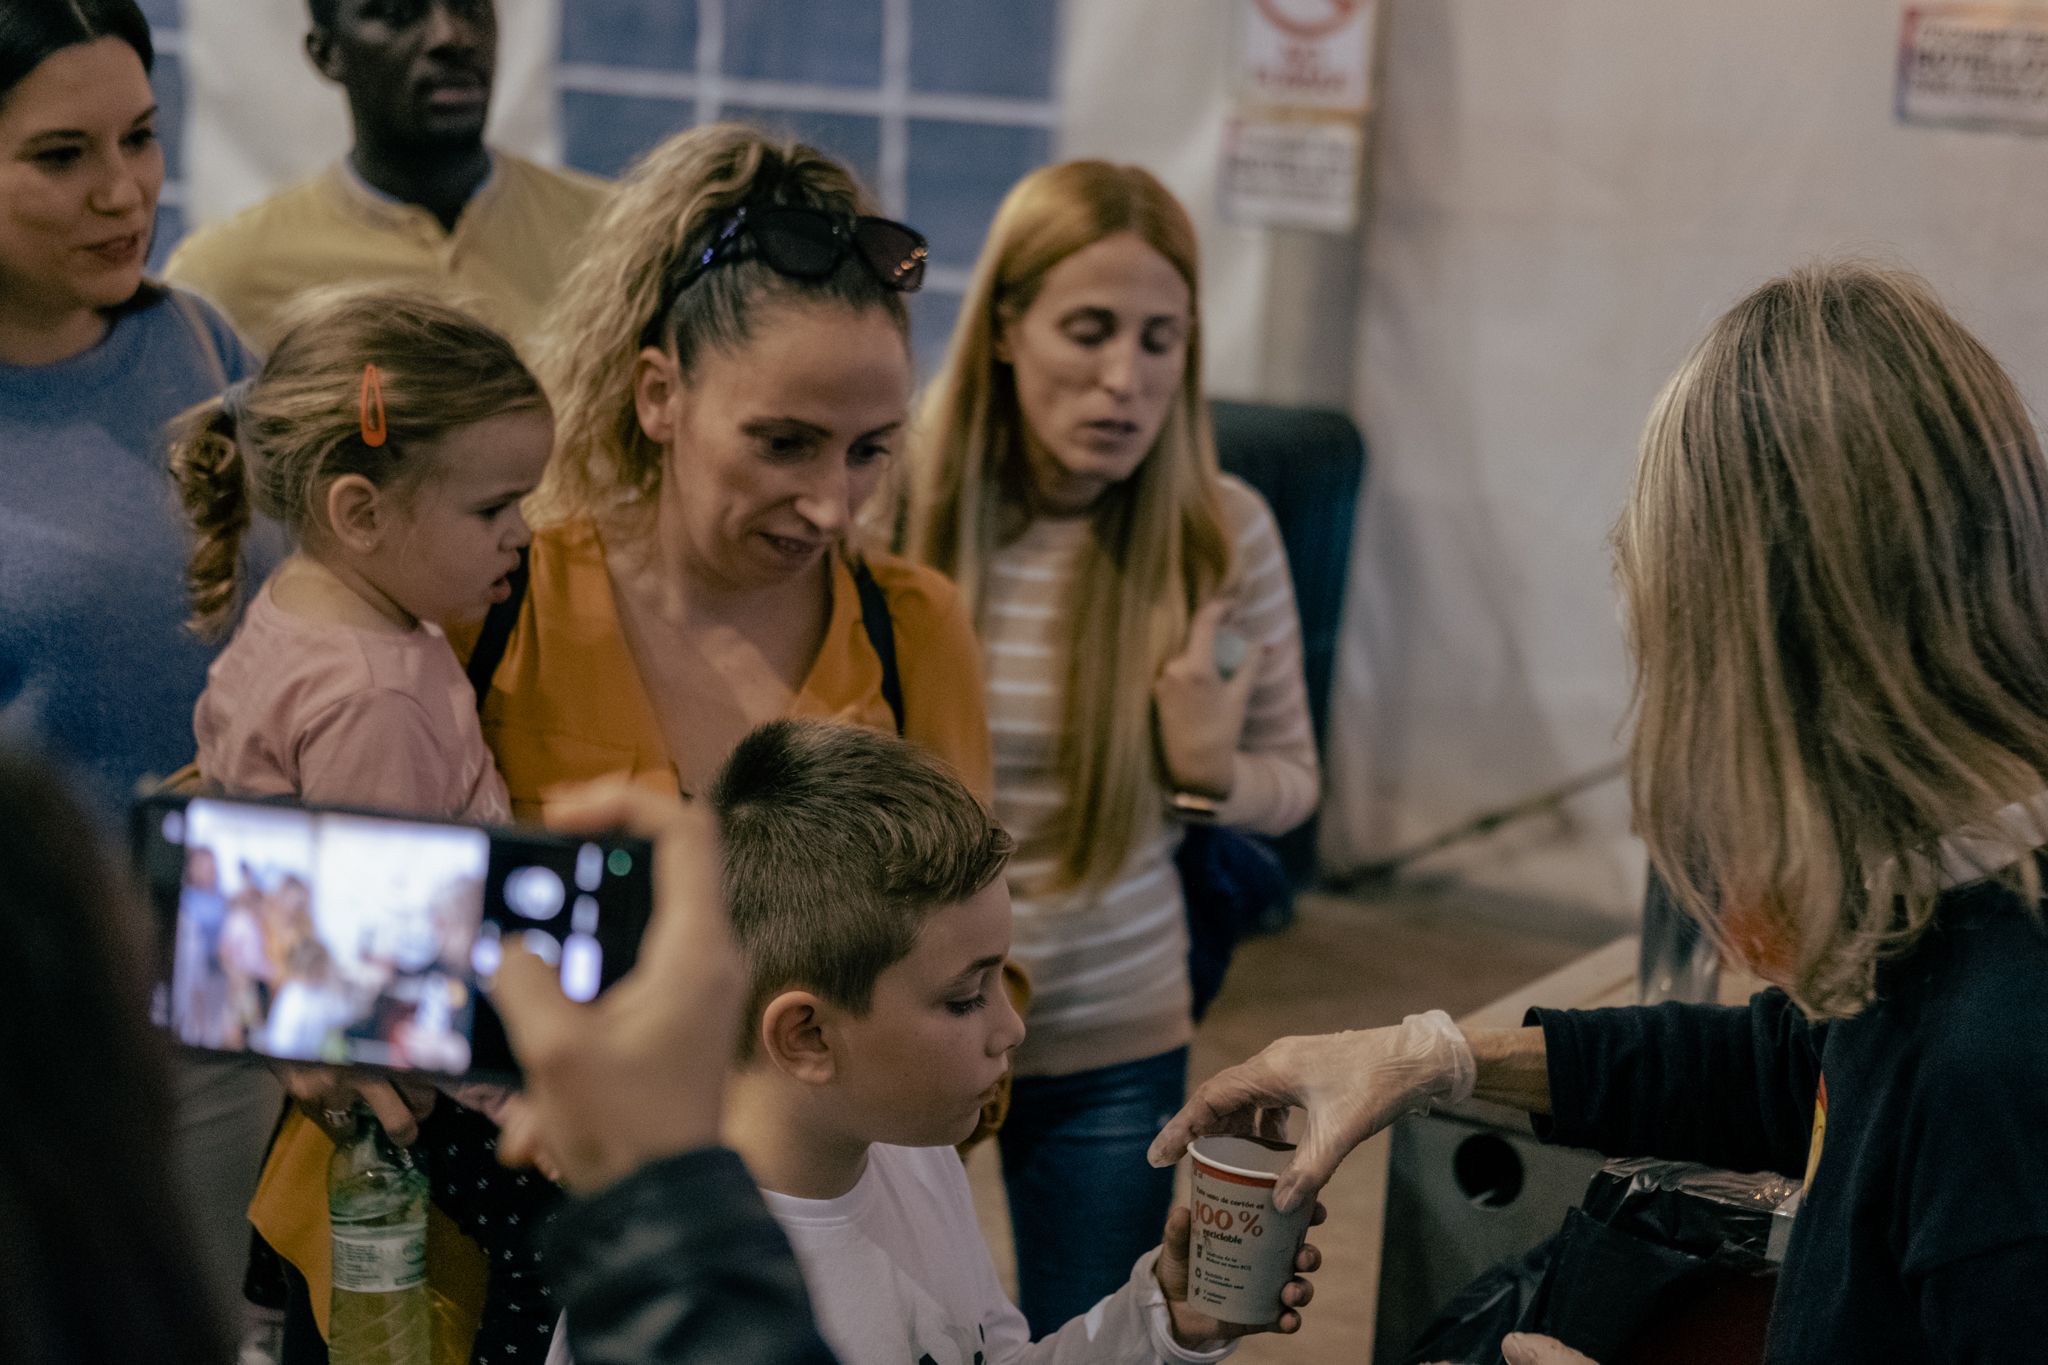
[1309, 464]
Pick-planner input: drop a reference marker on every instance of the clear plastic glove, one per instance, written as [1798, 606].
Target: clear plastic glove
[1349, 1085]
[1526, 1348]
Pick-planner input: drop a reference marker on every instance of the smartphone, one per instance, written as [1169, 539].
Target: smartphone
[354, 938]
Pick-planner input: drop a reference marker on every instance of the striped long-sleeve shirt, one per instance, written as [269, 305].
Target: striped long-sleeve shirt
[1108, 963]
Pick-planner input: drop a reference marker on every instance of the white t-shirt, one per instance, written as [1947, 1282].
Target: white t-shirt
[899, 1275]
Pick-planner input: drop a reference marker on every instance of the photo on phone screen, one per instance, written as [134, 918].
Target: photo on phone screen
[350, 938]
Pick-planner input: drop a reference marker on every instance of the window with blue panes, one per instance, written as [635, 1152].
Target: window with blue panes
[168, 78]
[940, 105]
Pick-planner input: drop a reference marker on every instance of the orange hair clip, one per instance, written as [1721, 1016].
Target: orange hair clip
[370, 407]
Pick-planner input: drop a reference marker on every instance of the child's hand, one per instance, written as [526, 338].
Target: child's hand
[1192, 1327]
[486, 1099]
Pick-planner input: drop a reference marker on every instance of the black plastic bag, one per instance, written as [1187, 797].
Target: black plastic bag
[1650, 1235]
[1469, 1329]
[1604, 1284]
[1722, 1215]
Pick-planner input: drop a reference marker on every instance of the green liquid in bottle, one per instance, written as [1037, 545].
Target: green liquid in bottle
[377, 1205]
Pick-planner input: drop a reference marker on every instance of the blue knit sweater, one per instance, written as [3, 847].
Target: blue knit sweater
[95, 664]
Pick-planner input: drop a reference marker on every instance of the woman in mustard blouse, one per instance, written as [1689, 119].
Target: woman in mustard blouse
[731, 368]
[731, 374]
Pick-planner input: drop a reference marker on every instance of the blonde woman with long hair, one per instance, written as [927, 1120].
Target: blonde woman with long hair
[1143, 658]
[1835, 567]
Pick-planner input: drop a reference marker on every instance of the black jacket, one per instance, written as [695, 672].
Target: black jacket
[680, 1263]
[1924, 1235]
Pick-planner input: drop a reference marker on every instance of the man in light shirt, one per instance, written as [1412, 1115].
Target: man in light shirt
[419, 200]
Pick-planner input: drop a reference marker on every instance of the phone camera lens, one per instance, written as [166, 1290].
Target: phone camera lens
[535, 892]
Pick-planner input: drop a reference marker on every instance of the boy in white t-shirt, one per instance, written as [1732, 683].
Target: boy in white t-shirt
[866, 891]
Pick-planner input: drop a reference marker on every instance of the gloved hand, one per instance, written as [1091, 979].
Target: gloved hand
[1350, 1085]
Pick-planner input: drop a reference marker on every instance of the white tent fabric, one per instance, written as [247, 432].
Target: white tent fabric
[1171, 121]
[1565, 194]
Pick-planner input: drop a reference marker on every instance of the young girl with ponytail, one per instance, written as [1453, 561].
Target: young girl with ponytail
[394, 438]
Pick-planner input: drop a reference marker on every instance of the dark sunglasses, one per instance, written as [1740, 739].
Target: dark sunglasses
[808, 244]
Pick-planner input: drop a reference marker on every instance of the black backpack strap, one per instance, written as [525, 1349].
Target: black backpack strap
[497, 633]
[874, 618]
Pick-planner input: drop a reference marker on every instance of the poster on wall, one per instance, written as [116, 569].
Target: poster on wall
[1975, 66]
[1294, 172]
[1307, 54]
[1294, 150]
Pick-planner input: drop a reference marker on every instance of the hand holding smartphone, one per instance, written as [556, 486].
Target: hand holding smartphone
[639, 1074]
[354, 938]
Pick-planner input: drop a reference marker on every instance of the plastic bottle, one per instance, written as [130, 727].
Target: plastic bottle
[377, 1204]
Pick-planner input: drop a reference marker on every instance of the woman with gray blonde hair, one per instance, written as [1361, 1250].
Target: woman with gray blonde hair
[1835, 566]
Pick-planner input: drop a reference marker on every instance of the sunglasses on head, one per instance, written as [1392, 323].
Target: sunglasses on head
[809, 244]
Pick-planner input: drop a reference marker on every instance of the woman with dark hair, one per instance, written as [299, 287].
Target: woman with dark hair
[95, 360]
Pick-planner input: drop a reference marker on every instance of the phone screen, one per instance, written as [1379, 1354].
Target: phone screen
[350, 938]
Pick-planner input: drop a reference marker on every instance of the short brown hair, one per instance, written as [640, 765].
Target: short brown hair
[839, 843]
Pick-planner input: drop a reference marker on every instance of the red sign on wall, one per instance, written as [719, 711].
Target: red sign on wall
[1307, 54]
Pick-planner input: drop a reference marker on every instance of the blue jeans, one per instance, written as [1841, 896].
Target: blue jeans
[1084, 1203]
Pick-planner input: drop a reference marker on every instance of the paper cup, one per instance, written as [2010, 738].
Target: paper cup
[1242, 1250]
